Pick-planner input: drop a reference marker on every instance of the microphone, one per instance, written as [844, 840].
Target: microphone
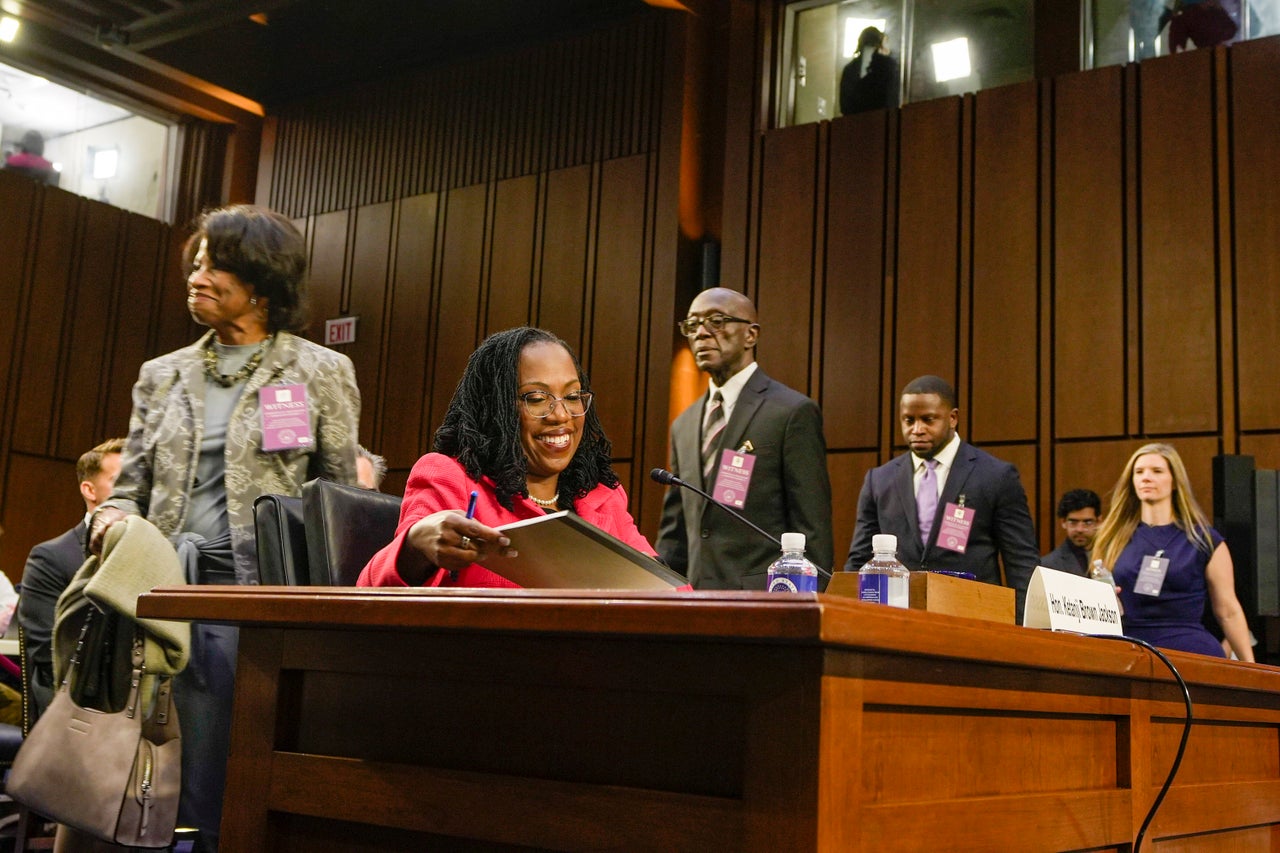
[666, 478]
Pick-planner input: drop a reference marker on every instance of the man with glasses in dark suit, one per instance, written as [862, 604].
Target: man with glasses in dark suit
[778, 449]
[1078, 512]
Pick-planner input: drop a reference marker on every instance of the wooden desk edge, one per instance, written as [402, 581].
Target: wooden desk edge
[750, 617]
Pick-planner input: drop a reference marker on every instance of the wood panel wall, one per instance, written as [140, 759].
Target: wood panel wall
[536, 187]
[539, 186]
[1091, 259]
[89, 292]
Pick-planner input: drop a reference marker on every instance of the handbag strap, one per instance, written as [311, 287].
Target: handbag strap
[79, 649]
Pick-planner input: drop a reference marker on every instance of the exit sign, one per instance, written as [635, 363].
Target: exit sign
[340, 331]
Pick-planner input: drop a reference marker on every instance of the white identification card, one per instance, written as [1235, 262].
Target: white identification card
[1151, 575]
[1061, 601]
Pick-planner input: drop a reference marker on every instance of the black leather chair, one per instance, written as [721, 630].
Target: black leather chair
[345, 525]
[282, 542]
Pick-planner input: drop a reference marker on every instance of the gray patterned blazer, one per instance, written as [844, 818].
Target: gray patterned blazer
[165, 431]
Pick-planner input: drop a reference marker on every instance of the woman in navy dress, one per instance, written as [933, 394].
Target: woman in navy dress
[1166, 559]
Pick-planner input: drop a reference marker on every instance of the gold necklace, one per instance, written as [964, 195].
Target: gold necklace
[225, 380]
[551, 504]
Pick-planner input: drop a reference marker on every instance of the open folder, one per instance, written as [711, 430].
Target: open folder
[562, 551]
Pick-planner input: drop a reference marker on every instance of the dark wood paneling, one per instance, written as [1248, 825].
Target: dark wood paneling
[564, 253]
[174, 328]
[1003, 387]
[545, 108]
[368, 299]
[40, 502]
[328, 265]
[511, 258]
[1179, 273]
[145, 276]
[853, 337]
[36, 424]
[784, 287]
[1255, 124]
[1097, 465]
[1088, 342]
[927, 283]
[616, 326]
[17, 224]
[459, 304]
[1265, 450]
[1024, 457]
[847, 471]
[404, 433]
[89, 315]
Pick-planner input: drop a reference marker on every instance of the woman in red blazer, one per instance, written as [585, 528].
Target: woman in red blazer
[520, 432]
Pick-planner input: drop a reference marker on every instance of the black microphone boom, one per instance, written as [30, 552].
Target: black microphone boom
[666, 478]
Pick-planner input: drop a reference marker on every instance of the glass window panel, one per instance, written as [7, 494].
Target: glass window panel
[821, 38]
[1133, 30]
[87, 146]
[965, 45]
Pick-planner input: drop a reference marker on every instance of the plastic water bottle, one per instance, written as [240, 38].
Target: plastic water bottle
[792, 572]
[884, 580]
[1100, 572]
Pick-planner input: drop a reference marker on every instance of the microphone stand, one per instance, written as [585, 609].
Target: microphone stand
[666, 478]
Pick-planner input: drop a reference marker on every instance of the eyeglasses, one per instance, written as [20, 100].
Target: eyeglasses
[540, 404]
[715, 322]
[1087, 523]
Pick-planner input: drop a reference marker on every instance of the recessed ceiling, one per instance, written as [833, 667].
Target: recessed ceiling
[276, 51]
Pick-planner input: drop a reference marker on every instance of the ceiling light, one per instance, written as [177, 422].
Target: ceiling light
[951, 59]
[8, 28]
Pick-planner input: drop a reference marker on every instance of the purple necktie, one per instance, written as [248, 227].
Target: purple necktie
[927, 500]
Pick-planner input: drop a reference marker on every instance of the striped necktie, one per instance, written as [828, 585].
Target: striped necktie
[711, 431]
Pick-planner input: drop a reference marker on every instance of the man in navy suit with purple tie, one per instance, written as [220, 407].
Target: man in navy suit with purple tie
[952, 506]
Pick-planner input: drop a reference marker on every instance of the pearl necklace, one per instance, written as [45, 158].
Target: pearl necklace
[551, 504]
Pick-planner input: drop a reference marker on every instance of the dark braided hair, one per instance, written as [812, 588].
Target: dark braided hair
[481, 428]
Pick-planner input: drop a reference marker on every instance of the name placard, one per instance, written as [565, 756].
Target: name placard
[1061, 601]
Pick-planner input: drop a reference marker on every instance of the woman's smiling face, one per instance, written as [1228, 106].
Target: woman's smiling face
[549, 443]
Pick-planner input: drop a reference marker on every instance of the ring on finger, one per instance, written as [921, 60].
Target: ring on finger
[466, 543]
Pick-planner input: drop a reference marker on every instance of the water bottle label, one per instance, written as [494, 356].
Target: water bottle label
[792, 582]
[874, 588]
[883, 589]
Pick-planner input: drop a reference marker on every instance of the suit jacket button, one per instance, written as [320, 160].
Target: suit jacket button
[706, 534]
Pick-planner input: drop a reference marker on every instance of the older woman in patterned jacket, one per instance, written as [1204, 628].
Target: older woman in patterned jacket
[248, 409]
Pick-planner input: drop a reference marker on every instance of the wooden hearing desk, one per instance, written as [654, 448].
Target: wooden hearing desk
[411, 720]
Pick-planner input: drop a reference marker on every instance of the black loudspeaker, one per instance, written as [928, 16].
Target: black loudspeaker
[1267, 542]
[1246, 511]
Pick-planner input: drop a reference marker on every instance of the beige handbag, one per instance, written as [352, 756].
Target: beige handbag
[115, 776]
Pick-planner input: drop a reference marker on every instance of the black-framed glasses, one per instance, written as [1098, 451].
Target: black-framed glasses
[540, 404]
[714, 322]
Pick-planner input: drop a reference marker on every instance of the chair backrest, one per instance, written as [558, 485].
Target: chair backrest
[282, 543]
[346, 525]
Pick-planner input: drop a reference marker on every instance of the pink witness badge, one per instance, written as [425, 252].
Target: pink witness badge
[286, 418]
[957, 522]
[734, 477]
